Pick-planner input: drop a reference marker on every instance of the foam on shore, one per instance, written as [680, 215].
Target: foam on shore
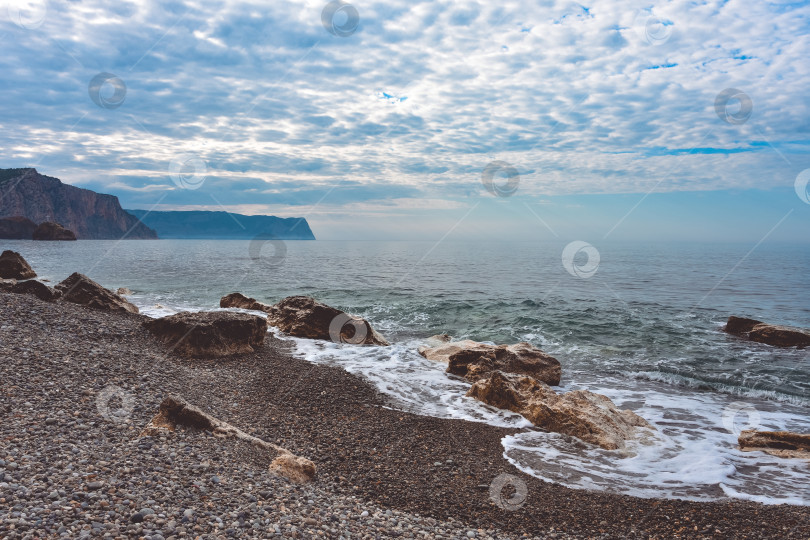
[694, 454]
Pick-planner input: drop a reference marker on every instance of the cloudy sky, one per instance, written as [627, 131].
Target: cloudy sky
[540, 119]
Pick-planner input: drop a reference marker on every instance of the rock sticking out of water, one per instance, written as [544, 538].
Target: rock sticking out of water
[305, 317]
[474, 360]
[590, 417]
[769, 334]
[778, 443]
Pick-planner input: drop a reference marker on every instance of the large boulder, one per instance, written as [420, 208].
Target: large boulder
[778, 443]
[769, 334]
[80, 289]
[591, 417]
[17, 228]
[175, 411]
[474, 360]
[13, 266]
[31, 286]
[302, 316]
[53, 231]
[209, 334]
[239, 300]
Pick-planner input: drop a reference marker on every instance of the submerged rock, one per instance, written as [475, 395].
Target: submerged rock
[302, 316]
[769, 334]
[778, 443]
[80, 289]
[474, 360]
[53, 231]
[14, 266]
[209, 334]
[585, 415]
[176, 411]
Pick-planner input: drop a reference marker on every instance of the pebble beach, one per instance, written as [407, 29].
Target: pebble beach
[79, 385]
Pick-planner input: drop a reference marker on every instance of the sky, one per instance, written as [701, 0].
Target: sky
[605, 120]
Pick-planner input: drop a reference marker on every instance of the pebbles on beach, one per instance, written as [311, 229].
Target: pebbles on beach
[78, 385]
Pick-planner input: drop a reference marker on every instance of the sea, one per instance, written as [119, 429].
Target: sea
[638, 322]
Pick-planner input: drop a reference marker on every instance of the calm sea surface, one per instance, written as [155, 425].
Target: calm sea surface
[644, 329]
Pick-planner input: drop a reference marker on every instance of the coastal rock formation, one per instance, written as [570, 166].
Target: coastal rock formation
[769, 334]
[590, 417]
[31, 286]
[778, 443]
[13, 266]
[239, 300]
[87, 213]
[209, 334]
[474, 360]
[302, 316]
[52, 231]
[176, 411]
[17, 228]
[80, 289]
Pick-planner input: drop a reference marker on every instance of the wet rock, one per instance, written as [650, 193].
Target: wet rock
[14, 266]
[778, 443]
[80, 289]
[53, 231]
[590, 417]
[302, 316]
[474, 360]
[209, 334]
[769, 334]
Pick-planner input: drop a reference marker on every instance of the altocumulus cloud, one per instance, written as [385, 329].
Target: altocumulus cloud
[614, 97]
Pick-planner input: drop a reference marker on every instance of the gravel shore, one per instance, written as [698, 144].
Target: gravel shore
[78, 385]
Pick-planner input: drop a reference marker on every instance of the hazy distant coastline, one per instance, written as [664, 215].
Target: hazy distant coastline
[200, 224]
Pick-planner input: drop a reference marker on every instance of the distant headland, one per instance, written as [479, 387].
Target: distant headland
[30, 198]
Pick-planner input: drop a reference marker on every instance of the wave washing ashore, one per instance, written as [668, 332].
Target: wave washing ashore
[637, 332]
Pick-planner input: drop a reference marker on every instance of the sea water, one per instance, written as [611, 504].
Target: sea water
[643, 329]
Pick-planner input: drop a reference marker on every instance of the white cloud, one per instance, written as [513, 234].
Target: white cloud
[578, 100]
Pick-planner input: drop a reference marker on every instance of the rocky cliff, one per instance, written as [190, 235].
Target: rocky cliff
[91, 215]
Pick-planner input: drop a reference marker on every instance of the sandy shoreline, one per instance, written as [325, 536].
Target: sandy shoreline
[57, 358]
